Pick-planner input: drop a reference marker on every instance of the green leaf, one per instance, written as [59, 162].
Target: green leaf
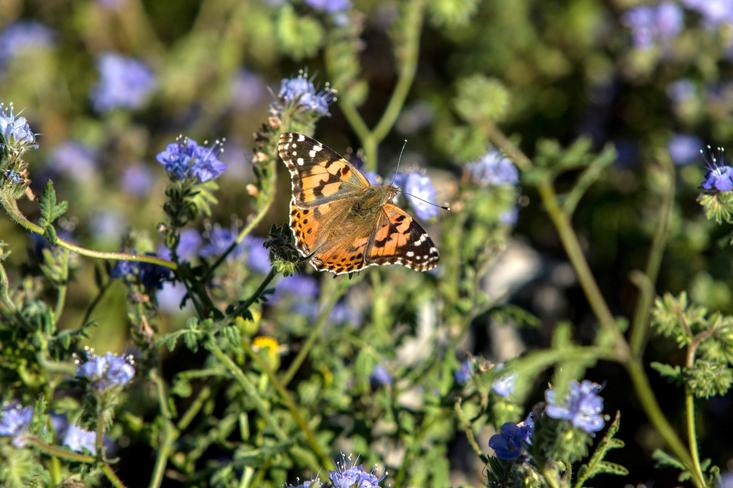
[50, 209]
[597, 465]
[672, 373]
[666, 460]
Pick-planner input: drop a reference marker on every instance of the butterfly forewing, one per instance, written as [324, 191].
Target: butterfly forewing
[317, 173]
[325, 189]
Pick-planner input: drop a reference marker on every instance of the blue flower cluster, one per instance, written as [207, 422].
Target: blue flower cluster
[124, 82]
[684, 148]
[583, 406]
[329, 6]
[504, 384]
[654, 24]
[493, 169]
[713, 12]
[108, 371]
[74, 160]
[21, 37]
[15, 420]
[464, 372]
[346, 475]
[300, 92]
[185, 158]
[719, 177]
[512, 439]
[150, 275]
[380, 377]
[15, 132]
[418, 190]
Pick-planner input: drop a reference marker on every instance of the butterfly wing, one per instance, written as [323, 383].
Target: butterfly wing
[399, 239]
[318, 174]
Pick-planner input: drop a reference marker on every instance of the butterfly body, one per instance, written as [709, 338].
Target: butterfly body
[342, 222]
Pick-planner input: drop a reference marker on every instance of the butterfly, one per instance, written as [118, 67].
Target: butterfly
[340, 221]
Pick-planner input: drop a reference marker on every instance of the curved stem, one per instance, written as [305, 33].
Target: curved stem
[640, 324]
[11, 207]
[169, 433]
[244, 305]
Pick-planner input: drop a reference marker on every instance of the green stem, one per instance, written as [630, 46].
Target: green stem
[640, 324]
[691, 434]
[11, 207]
[99, 438]
[285, 397]
[98, 298]
[169, 433]
[194, 408]
[244, 305]
[61, 290]
[112, 476]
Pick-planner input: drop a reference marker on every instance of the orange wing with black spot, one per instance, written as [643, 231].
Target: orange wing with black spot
[398, 239]
[318, 174]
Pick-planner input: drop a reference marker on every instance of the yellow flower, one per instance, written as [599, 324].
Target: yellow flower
[271, 345]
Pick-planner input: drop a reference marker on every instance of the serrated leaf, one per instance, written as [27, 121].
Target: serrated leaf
[664, 459]
[611, 468]
[50, 209]
[672, 373]
[597, 465]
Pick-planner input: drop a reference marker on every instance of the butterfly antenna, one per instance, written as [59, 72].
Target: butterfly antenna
[399, 160]
[444, 207]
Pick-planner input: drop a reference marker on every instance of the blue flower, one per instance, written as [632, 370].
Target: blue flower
[418, 187]
[511, 440]
[15, 133]
[330, 6]
[349, 475]
[151, 276]
[681, 91]
[185, 158]
[258, 257]
[313, 483]
[189, 242]
[124, 83]
[464, 373]
[79, 440]
[19, 37]
[137, 180]
[302, 93]
[684, 148]
[718, 179]
[107, 225]
[74, 160]
[504, 384]
[170, 297]
[14, 421]
[219, 240]
[493, 169]
[13, 177]
[651, 24]
[343, 313]
[304, 287]
[583, 406]
[248, 90]
[509, 217]
[107, 371]
[380, 376]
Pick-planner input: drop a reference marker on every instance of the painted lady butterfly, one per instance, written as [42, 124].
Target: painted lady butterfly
[341, 221]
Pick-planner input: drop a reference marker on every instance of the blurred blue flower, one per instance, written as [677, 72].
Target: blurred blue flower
[248, 90]
[493, 169]
[74, 160]
[124, 82]
[653, 24]
[107, 225]
[301, 92]
[417, 185]
[343, 313]
[713, 12]
[122, 268]
[185, 158]
[258, 257]
[79, 440]
[302, 286]
[373, 178]
[14, 421]
[464, 372]
[23, 36]
[170, 296]
[504, 385]
[111, 4]
[313, 483]
[330, 6]
[15, 132]
[349, 475]
[152, 276]
[718, 179]
[510, 441]
[583, 406]
[380, 377]
[189, 242]
[219, 239]
[107, 371]
[681, 91]
[684, 148]
[137, 179]
[509, 217]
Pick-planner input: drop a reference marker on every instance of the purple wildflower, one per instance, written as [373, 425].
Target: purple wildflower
[74, 160]
[418, 190]
[185, 158]
[14, 421]
[509, 217]
[653, 24]
[583, 406]
[123, 83]
[718, 179]
[79, 440]
[329, 6]
[170, 297]
[305, 287]
[681, 91]
[19, 37]
[380, 377]
[258, 257]
[343, 313]
[302, 93]
[107, 371]
[493, 169]
[504, 384]
[219, 240]
[15, 133]
[684, 148]
[248, 90]
[349, 475]
[713, 12]
[464, 373]
[137, 180]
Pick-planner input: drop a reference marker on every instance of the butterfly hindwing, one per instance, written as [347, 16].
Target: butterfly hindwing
[398, 239]
[318, 174]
